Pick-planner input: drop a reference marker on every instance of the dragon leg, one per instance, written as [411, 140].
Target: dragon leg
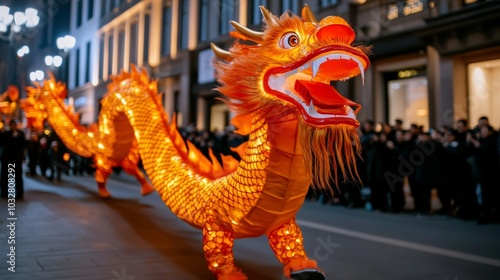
[218, 248]
[287, 243]
[131, 167]
[101, 176]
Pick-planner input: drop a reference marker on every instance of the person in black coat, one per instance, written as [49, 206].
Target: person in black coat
[425, 172]
[33, 153]
[486, 152]
[13, 142]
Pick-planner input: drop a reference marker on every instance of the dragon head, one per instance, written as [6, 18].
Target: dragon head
[288, 70]
[35, 106]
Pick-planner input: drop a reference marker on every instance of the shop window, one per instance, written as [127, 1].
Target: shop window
[409, 101]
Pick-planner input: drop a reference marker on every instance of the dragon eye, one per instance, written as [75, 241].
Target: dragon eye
[289, 40]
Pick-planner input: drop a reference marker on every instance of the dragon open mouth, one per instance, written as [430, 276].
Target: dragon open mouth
[306, 84]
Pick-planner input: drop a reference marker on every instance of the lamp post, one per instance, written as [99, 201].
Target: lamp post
[65, 44]
[12, 26]
[16, 27]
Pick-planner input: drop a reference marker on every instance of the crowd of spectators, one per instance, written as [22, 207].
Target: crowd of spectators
[462, 164]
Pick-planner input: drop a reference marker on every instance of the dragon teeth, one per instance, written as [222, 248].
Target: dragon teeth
[315, 67]
[311, 110]
[276, 81]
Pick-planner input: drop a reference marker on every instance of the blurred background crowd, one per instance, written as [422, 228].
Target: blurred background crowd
[401, 168]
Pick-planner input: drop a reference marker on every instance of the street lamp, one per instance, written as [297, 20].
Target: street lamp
[22, 51]
[11, 25]
[64, 44]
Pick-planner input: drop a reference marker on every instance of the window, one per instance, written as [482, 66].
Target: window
[90, 11]
[110, 54]
[133, 42]
[183, 24]
[327, 3]
[483, 91]
[166, 29]
[121, 48]
[77, 67]
[256, 15]
[101, 58]
[79, 12]
[105, 7]
[145, 54]
[203, 24]
[87, 63]
[292, 5]
[401, 8]
[228, 12]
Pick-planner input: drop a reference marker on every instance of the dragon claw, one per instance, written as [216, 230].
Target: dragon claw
[307, 274]
[235, 275]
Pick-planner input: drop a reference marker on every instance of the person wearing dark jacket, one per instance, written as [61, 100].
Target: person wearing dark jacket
[453, 172]
[13, 142]
[486, 153]
[425, 173]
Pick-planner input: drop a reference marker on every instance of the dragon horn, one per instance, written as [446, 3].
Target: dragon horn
[255, 36]
[220, 53]
[308, 15]
[268, 16]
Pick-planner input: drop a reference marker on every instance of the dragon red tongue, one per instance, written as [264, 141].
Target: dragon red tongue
[324, 95]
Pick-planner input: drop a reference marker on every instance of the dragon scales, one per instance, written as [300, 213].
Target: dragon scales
[106, 142]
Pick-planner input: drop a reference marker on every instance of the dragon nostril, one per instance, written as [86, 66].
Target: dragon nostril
[336, 32]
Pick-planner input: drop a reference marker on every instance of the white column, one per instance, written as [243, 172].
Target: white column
[140, 38]
[169, 96]
[201, 109]
[155, 33]
[114, 68]
[243, 12]
[193, 24]
[105, 58]
[175, 29]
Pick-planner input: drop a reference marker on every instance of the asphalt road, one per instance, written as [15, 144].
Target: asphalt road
[64, 231]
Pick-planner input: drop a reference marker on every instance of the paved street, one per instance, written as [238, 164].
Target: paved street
[64, 231]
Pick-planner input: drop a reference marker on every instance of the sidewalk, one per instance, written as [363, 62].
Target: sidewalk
[64, 231]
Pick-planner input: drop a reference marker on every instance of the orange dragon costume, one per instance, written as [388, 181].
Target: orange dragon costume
[104, 142]
[8, 103]
[301, 131]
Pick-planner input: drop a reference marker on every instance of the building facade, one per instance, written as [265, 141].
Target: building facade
[433, 61]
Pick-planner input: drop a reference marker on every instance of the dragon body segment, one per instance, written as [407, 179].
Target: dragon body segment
[300, 129]
[106, 142]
